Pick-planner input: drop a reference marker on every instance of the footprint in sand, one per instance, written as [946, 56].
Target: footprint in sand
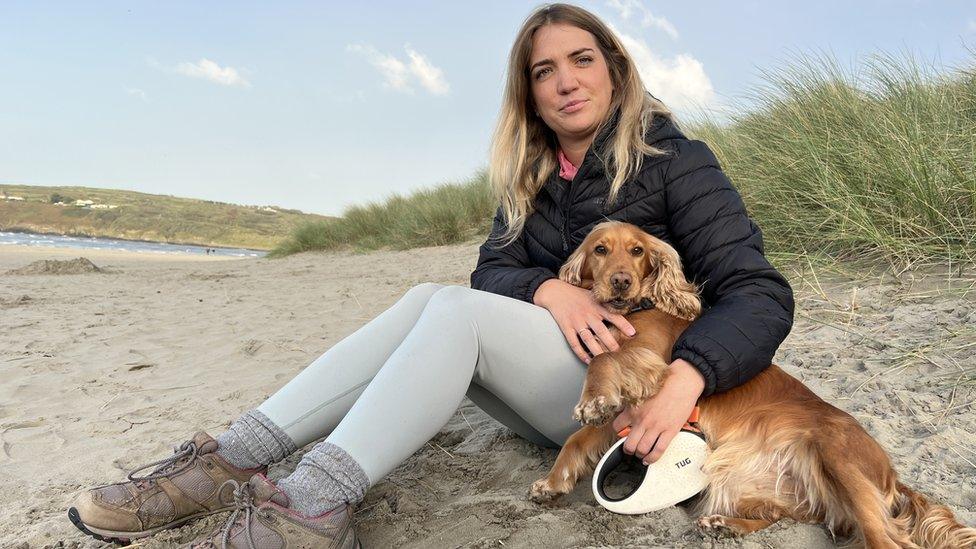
[29, 440]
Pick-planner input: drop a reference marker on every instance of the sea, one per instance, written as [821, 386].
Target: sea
[93, 243]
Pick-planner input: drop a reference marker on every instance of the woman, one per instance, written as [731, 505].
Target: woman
[578, 139]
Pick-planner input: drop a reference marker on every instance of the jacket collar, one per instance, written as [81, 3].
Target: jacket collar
[591, 160]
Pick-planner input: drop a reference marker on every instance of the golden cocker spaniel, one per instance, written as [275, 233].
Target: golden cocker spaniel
[776, 449]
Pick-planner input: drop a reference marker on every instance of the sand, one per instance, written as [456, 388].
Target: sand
[103, 372]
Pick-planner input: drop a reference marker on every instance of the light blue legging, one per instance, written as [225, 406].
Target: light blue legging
[389, 387]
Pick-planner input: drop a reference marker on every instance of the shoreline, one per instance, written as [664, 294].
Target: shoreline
[23, 230]
[18, 255]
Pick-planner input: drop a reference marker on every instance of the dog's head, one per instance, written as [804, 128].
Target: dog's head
[621, 264]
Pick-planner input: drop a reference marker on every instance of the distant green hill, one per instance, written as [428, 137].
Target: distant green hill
[140, 216]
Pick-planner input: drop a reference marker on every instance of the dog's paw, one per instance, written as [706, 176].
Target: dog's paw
[711, 522]
[542, 491]
[716, 525]
[597, 411]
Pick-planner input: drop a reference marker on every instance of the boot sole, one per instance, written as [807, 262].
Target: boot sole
[111, 536]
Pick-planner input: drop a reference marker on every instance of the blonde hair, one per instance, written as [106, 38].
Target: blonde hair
[523, 148]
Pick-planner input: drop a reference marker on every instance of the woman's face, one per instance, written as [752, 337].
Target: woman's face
[567, 66]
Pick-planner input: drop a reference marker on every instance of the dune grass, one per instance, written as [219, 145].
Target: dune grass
[875, 163]
[445, 214]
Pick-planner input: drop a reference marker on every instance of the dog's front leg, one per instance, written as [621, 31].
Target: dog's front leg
[577, 458]
[625, 377]
[641, 373]
[601, 400]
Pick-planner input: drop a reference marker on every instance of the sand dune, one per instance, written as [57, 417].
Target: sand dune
[103, 372]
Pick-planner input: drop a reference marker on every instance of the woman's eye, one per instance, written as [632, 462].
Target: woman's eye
[587, 59]
[638, 250]
[600, 250]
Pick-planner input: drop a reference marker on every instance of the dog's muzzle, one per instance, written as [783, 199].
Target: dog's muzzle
[676, 476]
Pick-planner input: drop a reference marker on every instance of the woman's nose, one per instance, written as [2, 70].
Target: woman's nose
[567, 81]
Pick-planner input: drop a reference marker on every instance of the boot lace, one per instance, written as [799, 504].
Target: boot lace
[167, 466]
[243, 509]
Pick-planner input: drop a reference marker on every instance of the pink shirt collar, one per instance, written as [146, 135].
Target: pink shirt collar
[567, 170]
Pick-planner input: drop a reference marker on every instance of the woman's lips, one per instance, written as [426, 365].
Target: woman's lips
[575, 106]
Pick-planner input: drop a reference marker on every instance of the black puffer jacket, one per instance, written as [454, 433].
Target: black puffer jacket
[686, 200]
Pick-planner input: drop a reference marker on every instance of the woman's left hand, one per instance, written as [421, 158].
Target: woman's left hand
[657, 420]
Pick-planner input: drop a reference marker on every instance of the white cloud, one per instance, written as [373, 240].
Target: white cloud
[399, 75]
[680, 81]
[628, 8]
[138, 93]
[393, 70]
[209, 70]
[430, 77]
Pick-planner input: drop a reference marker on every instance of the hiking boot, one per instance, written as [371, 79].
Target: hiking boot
[181, 488]
[262, 520]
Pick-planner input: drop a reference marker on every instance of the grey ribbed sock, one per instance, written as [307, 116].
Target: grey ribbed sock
[325, 478]
[254, 441]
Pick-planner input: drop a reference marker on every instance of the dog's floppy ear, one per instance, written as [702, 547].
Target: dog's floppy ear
[575, 271]
[666, 284]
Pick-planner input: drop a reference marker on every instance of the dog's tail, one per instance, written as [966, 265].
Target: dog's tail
[890, 514]
[863, 509]
[903, 518]
[930, 525]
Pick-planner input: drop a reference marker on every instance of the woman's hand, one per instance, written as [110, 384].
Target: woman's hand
[654, 422]
[576, 312]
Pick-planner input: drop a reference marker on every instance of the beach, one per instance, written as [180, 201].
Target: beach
[105, 371]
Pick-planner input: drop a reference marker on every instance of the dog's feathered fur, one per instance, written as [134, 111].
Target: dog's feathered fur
[777, 450]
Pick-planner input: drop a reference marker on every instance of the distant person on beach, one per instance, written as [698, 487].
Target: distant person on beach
[578, 140]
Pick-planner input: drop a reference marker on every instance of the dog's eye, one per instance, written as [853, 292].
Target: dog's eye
[600, 250]
[637, 250]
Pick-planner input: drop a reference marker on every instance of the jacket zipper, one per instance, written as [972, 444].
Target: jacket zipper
[568, 198]
[567, 203]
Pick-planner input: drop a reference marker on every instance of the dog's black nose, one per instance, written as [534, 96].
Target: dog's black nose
[620, 281]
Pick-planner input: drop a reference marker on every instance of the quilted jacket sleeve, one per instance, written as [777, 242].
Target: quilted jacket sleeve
[507, 271]
[751, 303]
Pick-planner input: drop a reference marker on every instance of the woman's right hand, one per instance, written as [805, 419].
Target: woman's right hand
[579, 316]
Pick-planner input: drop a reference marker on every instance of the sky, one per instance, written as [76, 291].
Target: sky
[318, 106]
